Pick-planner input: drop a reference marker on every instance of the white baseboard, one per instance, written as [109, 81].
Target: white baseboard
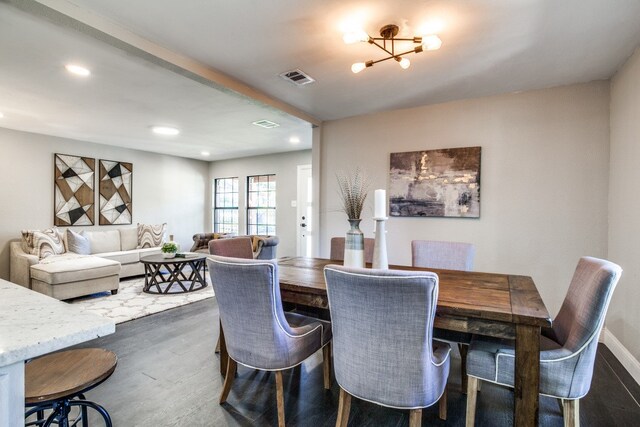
[629, 362]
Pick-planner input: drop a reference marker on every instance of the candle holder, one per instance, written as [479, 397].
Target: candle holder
[380, 260]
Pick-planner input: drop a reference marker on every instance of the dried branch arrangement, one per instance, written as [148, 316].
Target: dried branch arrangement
[353, 188]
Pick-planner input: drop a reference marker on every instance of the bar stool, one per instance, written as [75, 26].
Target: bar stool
[58, 381]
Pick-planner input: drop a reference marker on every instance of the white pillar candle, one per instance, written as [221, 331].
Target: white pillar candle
[380, 204]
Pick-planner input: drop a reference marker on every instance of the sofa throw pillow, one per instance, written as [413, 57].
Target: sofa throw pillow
[47, 242]
[150, 236]
[78, 243]
[27, 241]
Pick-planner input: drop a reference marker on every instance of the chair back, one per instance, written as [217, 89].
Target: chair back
[337, 249]
[581, 317]
[382, 324]
[256, 331]
[442, 255]
[234, 247]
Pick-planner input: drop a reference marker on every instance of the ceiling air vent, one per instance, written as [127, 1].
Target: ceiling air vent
[268, 124]
[297, 77]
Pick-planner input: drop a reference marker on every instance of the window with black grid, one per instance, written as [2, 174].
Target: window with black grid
[225, 211]
[261, 204]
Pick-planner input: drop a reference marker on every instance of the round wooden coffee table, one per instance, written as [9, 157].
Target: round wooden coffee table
[155, 278]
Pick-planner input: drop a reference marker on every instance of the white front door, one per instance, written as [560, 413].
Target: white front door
[304, 205]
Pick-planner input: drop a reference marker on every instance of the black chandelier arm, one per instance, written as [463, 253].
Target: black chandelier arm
[382, 47]
[413, 39]
[416, 50]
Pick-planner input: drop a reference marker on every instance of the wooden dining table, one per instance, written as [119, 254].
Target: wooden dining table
[496, 305]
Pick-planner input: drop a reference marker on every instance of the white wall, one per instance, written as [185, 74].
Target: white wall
[544, 178]
[285, 167]
[165, 188]
[624, 204]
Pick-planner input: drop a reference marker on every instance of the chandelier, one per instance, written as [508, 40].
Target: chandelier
[388, 38]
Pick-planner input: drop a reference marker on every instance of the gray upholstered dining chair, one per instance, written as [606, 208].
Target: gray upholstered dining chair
[382, 348]
[567, 350]
[337, 249]
[447, 256]
[235, 247]
[442, 255]
[258, 334]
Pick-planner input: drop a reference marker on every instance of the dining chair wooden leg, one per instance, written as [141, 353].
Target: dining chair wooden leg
[571, 413]
[280, 398]
[561, 406]
[463, 366]
[472, 394]
[344, 407]
[326, 365]
[232, 366]
[442, 406]
[415, 418]
[223, 351]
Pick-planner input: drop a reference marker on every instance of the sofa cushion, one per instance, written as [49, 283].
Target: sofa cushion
[123, 257]
[46, 242]
[151, 235]
[149, 251]
[128, 238]
[103, 241]
[78, 243]
[73, 269]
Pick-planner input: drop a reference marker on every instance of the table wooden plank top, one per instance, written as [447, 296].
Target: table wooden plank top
[491, 296]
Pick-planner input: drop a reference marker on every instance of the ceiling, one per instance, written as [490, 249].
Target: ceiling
[489, 47]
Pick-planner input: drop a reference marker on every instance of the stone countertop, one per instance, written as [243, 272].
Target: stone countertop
[33, 324]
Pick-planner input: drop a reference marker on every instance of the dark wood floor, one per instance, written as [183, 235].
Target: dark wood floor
[167, 375]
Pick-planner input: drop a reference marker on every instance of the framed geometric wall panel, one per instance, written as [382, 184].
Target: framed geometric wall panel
[74, 180]
[116, 179]
[435, 183]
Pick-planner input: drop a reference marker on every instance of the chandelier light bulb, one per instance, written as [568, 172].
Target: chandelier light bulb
[404, 63]
[357, 67]
[355, 37]
[431, 42]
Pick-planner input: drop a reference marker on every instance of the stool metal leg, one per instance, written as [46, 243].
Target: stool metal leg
[87, 404]
[83, 412]
[60, 414]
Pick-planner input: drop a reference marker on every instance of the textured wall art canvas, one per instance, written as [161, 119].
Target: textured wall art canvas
[116, 180]
[74, 181]
[436, 183]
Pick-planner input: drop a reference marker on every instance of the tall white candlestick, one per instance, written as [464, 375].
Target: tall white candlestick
[380, 210]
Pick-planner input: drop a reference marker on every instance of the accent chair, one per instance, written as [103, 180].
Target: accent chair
[383, 349]
[567, 350]
[258, 333]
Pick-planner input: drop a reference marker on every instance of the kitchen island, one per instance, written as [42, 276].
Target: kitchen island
[32, 324]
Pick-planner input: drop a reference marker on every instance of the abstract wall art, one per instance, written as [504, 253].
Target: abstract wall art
[116, 179]
[436, 183]
[73, 198]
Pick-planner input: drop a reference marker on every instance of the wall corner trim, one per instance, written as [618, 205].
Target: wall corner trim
[625, 357]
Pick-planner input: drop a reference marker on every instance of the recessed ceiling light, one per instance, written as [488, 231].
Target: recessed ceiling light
[164, 130]
[266, 124]
[1, 115]
[205, 153]
[77, 70]
[294, 140]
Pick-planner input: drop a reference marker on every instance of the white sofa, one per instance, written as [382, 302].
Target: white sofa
[114, 255]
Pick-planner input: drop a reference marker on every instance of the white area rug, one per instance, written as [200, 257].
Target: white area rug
[131, 303]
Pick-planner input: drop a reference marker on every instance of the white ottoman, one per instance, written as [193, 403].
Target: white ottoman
[70, 277]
